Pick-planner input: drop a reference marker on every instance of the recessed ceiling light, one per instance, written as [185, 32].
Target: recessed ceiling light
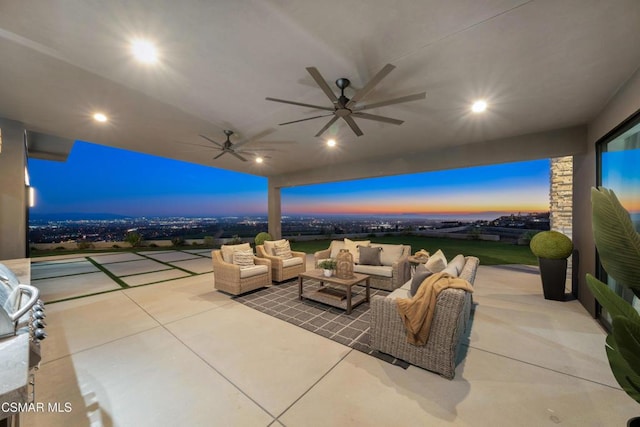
[144, 51]
[99, 117]
[331, 143]
[259, 159]
[479, 106]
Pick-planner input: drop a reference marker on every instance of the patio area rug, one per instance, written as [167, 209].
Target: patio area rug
[352, 330]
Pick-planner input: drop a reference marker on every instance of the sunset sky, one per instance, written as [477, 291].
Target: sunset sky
[99, 179]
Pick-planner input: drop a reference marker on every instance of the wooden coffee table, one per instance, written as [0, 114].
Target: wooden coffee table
[339, 294]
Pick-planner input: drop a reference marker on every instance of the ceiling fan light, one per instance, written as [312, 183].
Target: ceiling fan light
[479, 106]
[331, 142]
[144, 51]
[100, 117]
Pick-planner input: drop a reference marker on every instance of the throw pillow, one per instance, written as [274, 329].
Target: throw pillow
[228, 250]
[437, 262]
[243, 258]
[418, 277]
[390, 253]
[369, 255]
[270, 246]
[352, 246]
[458, 263]
[283, 250]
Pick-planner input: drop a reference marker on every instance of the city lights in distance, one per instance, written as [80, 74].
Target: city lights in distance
[100, 117]
[144, 51]
[479, 106]
[331, 142]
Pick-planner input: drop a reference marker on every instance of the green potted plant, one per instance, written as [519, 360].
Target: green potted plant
[618, 246]
[261, 237]
[327, 265]
[552, 249]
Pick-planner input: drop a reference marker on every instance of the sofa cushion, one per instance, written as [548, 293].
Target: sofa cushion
[352, 246]
[227, 251]
[390, 253]
[374, 270]
[243, 258]
[253, 270]
[421, 273]
[399, 293]
[369, 255]
[283, 250]
[458, 263]
[270, 246]
[437, 262]
[292, 261]
[336, 245]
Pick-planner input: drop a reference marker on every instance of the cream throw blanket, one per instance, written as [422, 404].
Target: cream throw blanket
[417, 312]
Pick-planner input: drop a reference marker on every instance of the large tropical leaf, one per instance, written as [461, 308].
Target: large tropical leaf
[625, 376]
[616, 239]
[615, 305]
[627, 336]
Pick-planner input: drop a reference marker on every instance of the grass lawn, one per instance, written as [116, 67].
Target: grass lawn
[489, 253]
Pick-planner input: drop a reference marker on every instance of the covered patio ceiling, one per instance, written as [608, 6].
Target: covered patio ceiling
[546, 68]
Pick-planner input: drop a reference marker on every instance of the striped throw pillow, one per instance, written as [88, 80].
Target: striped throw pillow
[243, 258]
[283, 250]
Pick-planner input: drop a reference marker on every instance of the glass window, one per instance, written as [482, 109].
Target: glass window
[619, 160]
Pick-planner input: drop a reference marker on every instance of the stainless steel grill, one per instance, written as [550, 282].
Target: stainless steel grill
[21, 312]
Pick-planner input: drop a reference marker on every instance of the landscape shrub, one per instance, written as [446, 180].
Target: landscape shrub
[83, 244]
[177, 241]
[116, 246]
[261, 237]
[133, 238]
[235, 240]
[209, 241]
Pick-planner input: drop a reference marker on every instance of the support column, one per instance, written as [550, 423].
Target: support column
[561, 203]
[13, 191]
[275, 210]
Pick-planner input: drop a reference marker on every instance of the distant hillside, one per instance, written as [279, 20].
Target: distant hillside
[75, 216]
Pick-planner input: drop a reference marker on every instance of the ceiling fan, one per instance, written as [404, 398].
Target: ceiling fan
[231, 148]
[347, 108]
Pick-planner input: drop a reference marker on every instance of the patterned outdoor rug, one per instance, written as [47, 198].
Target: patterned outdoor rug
[352, 330]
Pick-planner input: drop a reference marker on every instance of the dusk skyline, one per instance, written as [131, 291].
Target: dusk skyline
[100, 179]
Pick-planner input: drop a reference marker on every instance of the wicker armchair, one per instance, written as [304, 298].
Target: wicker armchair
[450, 321]
[234, 280]
[284, 269]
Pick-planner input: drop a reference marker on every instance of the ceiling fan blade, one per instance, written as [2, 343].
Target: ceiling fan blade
[219, 155]
[211, 140]
[195, 145]
[402, 99]
[322, 83]
[329, 123]
[377, 118]
[303, 120]
[256, 150]
[371, 84]
[352, 124]
[284, 101]
[238, 156]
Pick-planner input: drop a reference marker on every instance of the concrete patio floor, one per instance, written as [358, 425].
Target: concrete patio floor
[179, 352]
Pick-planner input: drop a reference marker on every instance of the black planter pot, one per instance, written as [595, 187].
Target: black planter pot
[554, 277]
[634, 422]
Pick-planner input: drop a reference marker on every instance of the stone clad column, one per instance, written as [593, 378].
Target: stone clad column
[561, 202]
[274, 210]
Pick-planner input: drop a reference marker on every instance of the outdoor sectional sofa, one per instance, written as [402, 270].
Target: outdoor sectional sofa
[395, 268]
[450, 321]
